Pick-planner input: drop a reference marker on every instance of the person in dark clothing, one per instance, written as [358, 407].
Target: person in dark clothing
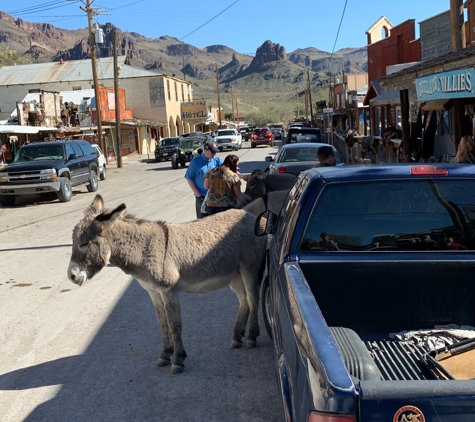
[327, 244]
[326, 157]
[466, 151]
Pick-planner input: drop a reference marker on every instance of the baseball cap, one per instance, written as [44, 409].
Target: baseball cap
[211, 146]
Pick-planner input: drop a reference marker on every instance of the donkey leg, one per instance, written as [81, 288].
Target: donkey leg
[251, 285]
[171, 300]
[164, 357]
[237, 287]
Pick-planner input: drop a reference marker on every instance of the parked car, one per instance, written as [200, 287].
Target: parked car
[165, 148]
[262, 136]
[50, 167]
[187, 149]
[303, 134]
[228, 139]
[294, 158]
[102, 162]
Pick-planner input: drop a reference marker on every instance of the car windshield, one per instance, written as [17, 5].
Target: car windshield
[167, 142]
[225, 133]
[405, 215]
[190, 143]
[39, 153]
[260, 131]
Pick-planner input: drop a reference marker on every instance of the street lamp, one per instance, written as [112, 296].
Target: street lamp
[217, 87]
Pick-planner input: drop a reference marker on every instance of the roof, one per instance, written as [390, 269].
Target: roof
[68, 71]
[386, 98]
[29, 130]
[467, 53]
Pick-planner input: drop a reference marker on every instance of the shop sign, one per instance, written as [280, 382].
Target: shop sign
[455, 84]
[194, 111]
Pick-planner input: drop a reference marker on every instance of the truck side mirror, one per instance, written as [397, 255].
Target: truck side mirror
[72, 156]
[265, 223]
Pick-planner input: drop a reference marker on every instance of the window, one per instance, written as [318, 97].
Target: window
[182, 93]
[399, 215]
[168, 89]
[77, 88]
[69, 150]
[88, 148]
[77, 150]
[176, 91]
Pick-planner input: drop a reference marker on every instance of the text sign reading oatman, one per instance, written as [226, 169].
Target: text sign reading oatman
[455, 84]
[194, 111]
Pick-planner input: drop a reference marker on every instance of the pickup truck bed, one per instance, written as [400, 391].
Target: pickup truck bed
[419, 294]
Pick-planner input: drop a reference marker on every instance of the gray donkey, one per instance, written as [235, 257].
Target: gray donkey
[195, 257]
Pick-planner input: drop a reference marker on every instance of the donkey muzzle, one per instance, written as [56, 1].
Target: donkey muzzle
[76, 275]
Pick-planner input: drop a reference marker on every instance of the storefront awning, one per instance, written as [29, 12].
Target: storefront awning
[443, 104]
[25, 130]
[386, 98]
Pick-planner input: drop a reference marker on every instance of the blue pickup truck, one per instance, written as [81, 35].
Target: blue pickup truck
[371, 280]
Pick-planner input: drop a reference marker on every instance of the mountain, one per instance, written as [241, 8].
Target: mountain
[263, 87]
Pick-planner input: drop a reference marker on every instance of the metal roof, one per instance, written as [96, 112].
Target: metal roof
[68, 71]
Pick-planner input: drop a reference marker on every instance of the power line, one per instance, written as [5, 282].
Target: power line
[38, 8]
[207, 22]
[337, 34]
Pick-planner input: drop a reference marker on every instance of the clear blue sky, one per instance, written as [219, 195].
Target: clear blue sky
[242, 25]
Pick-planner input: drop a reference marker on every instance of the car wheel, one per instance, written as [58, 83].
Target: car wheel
[266, 303]
[7, 200]
[253, 145]
[103, 173]
[65, 192]
[174, 162]
[93, 183]
[183, 164]
[158, 160]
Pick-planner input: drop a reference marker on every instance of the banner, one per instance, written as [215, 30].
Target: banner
[455, 84]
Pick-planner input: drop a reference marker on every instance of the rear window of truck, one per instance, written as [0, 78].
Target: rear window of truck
[393, 215]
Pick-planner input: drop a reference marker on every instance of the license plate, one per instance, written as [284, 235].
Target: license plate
[261, 137]
[165, 154]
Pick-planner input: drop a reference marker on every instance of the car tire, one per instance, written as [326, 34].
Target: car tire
[103, 174]
[65, 192]
[174, 162]
[183, 164]
[265, 297]
[93, 182]
[7, 200]
[253, 145]
[158, 160]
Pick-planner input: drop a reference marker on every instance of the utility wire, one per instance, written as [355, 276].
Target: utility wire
[37, 8]
[337, 34]
[207, 22]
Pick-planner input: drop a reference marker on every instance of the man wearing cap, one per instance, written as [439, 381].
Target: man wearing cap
[197, 169]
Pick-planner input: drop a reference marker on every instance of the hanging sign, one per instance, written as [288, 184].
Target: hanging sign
[194, 112]
[458, 83]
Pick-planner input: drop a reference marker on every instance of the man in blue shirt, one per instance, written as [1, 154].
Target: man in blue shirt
[196, 171]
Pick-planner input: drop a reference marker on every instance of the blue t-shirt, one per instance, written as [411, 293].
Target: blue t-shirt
[197, 169]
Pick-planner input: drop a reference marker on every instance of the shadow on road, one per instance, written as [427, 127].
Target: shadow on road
[116, 378]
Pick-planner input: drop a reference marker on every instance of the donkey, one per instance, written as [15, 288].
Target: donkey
[261, 182]
[195, 257]
[271, 201]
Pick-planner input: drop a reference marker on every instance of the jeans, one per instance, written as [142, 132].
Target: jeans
[198, 203]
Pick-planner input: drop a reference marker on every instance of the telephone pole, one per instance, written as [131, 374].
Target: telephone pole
[90, 12]
[117, 104]
[232, 103]
[217, 87]
[310, 98]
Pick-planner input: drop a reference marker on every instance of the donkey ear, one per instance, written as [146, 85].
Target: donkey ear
[266, 172]
[110, 216]
[96, 207]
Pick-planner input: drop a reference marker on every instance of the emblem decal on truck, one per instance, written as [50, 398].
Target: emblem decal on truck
[409, 414]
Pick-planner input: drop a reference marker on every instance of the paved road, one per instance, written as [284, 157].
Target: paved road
[70, 353]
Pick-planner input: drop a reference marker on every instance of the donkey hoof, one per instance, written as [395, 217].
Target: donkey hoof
[250, 344]
[163, 362]
[176, 369]
[235, 344]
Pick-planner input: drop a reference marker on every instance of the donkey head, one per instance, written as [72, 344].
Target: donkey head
[91, 248]
[255, 186]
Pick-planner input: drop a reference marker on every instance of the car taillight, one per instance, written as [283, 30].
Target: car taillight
[428, 170]
[281, 170]
[327, 417]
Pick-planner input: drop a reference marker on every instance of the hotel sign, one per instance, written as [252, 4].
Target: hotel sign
[455, 84]
[194, 111]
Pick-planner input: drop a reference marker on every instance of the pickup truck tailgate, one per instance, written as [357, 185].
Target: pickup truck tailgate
[420, 401]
